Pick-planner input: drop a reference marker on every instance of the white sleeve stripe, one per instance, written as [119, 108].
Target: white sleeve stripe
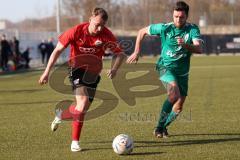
[148, 30]
[185, 74]
[199, 39]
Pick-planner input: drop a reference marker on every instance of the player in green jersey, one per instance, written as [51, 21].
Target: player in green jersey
[179, 40]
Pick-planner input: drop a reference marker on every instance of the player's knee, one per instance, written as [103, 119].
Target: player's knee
[173, 97]
[178, 106]
[83, 104]
[177, 109]
[173, 93]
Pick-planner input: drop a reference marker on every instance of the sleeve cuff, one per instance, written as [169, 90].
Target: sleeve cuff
[148, 30]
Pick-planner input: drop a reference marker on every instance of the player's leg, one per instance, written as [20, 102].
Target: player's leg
[181, 90]
[78, 78]
[85, 84]
[84, 97]
[169, 81]
[176, 110]
[173, 95]
[78, 112]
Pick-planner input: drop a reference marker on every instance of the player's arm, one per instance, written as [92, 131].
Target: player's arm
[52, 60]
[134, 56]
[195, 47]
[119, 58]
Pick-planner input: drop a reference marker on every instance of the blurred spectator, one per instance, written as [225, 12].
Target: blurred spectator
[50, 48]
[43, 50]
[16, 51]
[6, 52]
[26, 58]
[218, 49]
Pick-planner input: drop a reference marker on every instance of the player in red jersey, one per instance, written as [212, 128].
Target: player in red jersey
[88, 43]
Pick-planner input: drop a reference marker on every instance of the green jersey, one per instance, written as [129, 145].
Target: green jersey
[174, 56]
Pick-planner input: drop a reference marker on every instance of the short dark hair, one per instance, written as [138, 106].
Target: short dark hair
[100, 11]
[181, 6]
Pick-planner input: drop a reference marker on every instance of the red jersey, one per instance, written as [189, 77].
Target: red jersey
[87, 50]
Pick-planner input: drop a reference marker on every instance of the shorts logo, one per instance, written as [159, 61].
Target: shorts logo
[76, 81]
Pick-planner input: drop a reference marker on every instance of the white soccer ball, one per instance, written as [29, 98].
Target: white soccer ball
[122, 144]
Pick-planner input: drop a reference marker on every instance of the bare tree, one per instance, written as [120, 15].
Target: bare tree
[76, 8]
[133, 14]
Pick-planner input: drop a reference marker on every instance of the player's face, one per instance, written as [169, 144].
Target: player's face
[96, 24]
[179, 18]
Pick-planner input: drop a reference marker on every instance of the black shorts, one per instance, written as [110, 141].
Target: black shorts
[80, 77]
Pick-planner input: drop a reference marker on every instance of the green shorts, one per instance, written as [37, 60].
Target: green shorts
[169, 75]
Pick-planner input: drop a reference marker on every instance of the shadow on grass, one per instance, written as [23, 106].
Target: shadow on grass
[185, 142]
[96, 149]
[132, 154]
[21, 71]
[229, 137]
[21, 90]
[207, 134]
[145, 153]
[204, 141]
[38, 102]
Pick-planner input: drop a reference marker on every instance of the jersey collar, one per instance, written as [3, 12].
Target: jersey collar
[85, 29]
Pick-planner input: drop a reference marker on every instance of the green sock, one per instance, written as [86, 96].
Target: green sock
[171, 117]
[166, 109]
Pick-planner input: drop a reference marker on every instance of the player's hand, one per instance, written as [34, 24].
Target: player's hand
[43, 79]
[111, 73]
[133, 58]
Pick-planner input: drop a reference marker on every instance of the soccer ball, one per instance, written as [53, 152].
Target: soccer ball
[122, 144]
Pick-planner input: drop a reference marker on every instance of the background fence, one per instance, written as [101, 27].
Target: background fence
[151, 45]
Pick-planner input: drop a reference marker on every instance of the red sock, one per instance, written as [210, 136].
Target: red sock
[77, 123]
[67, 113]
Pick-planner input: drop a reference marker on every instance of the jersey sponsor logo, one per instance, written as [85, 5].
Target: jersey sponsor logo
[90, 50]
[87, 50]
[170, 53]
[181, 55]
[176, 55]
[178, 48]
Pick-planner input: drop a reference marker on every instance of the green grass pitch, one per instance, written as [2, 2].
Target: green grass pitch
[207, 129]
